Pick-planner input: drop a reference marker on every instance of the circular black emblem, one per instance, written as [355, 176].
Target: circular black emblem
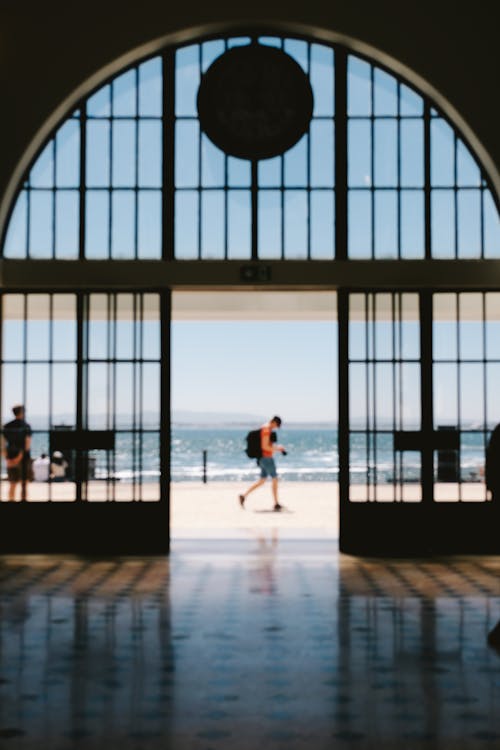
[255, 102]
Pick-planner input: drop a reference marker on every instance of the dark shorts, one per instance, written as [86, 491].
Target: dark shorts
[23, 472]
[267, 467]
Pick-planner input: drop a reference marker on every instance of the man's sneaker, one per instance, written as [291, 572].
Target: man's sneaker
[242, 500]
[278, 506]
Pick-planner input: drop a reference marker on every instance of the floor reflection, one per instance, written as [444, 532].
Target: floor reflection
[263, 644]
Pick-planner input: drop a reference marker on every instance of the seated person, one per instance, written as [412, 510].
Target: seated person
[41, 468]
[58, 467]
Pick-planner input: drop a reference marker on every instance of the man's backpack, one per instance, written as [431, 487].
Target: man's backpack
[253, 449]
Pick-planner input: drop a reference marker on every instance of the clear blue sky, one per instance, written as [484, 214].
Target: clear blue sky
[262, 368]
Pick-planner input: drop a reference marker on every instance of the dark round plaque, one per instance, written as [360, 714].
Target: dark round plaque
[255, 102]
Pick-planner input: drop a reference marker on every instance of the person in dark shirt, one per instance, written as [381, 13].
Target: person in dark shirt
[17, 444]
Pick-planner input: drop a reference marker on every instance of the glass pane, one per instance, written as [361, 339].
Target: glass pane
[412, 224]
[13, 392]
[360, 224]
[322, 79]
[124, 326]
[238, 172]
[384, 348]
[149, 224]
[491, 227]
[295, 160]
[492, 314]
[124, 395]
[186, 224]
[358, 389]
[41, 238]
[442, 153]
[150, 88]
[411, 104]
[213, 224]
[357, 327]
[150, 404]
[239, 218]
[296, 239]
[64, 326]
[359, 87]
[213, 164]
[385, 93]
[471, 395]
[384, 396]
[97, 224]
[359, 153]
[410, 328]
[322, 224]
[187, 135]
[124, 94]
[16, 239]
[386, 153]
[63, 394]
[269, 172]
[210, 51]
[98, 344]
[38, 326]
[470, 328]
[269, 226]
[68, 154]
[469, 223]
[467, 169]
[123, 224]
[42, 172]
[187, 80]
[445, 394]
[37, 395]
[412, 153]
[322, 154]
[67, 224]
[411, 476]
[410, 395]
[124, 153]
[386, 224]
[444, 327]
[98, 416]
[98, 159]
[443, 224]
[99, 104]
[13, 326]
[150, 154]
[151, 327]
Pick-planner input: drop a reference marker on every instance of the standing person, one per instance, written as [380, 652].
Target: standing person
[266, 461]
[17, 444]
[492, 468]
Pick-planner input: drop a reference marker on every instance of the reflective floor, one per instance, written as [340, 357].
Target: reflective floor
[262, 644]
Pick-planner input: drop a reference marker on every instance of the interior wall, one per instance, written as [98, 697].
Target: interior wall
[54, 52]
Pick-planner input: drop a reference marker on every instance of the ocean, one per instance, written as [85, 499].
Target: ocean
[312, 455]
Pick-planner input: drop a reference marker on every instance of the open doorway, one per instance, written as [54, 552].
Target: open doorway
[238, 359]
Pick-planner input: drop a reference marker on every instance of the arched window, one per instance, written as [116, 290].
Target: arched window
[380, 174]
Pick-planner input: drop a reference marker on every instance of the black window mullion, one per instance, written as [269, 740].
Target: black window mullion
[51, 376]
[136, 167]
[308, 167]
[340, 146]
[372, 163]
[200, 172]
[53, 194]
[427, 182]
[83, 180]
[168, 155]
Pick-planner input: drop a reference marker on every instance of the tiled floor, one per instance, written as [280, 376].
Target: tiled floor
[264, 644]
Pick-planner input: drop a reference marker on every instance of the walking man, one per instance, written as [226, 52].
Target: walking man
[17, 444]
[266, 461]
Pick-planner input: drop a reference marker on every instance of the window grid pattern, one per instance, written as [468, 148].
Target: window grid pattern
[466, 371]
[280, 208]
[384, 395]
[114, 184]
[111, 383]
